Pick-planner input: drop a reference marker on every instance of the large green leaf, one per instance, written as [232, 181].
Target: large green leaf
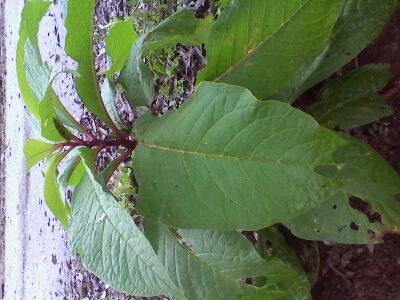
[181, 27]
[52, 196]
[111, 246]
[228, 161]
[199, 277]
[260, 44]
[119, 41]
[36, 150]
[365, 175]
[232, 254]
[360, 22]
[352, 100]
[79, 45]
[32, 74]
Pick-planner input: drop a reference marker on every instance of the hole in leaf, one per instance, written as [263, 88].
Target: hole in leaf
[366, 209]
[334, 206]
[260, 281]
[354, 226]
[397, 198]
[371, 234]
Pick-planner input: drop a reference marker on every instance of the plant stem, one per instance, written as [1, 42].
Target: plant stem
[124, 142]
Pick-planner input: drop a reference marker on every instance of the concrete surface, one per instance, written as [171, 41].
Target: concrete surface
[36, 256]
[2, 144]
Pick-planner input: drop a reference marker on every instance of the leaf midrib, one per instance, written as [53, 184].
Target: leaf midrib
[203, 154]
[246, 57]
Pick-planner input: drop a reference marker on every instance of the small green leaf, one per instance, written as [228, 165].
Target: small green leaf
[181, 27]
[359, 23]
[261, 44]
[36, 150]
[137, 78]
[119, 42]
[32, 74]
[51, 126]
[38, 74]
[351, 101]
[198, 276]
[52, 196]
[228, 161]
[79, 45]
[32, 14]
[366, 175]
[111, 246]
[77, 175]
[72, 173]
[109, 94]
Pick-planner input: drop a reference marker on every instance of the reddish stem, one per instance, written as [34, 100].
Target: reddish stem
[120, 142]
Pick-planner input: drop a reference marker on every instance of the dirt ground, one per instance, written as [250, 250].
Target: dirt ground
[361, 272]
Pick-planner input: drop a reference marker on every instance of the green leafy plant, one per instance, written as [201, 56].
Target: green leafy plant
[236, 156]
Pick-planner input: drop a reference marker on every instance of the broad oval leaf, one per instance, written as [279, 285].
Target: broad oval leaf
[36, 150]
[260, 44]
[232, 254]
[352, 100]
[52, 196]
[228, 161]
[111, 246]
[198, 278]
[365, 175]
[359, 23]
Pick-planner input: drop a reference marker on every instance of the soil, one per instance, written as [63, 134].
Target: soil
[370, 272]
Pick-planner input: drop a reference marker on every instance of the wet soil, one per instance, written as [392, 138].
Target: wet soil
[370, 272]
